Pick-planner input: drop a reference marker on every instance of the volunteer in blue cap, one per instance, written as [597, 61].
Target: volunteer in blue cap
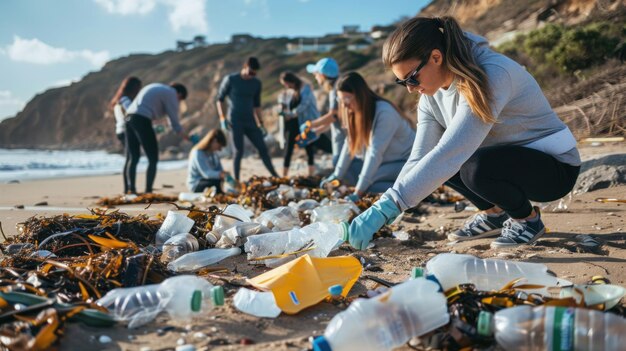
[326, 72]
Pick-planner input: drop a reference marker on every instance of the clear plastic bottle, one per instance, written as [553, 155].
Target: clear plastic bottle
[387, 321]
[335, 213]
[524, 328]
[137, 306]
[177, 246]
[487, 274]
[322, 237]
[175, 223]
[183, 297]
[194, 261]
[279, 219]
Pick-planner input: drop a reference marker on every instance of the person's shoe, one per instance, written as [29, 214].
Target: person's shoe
[516, 233]
[480, 226]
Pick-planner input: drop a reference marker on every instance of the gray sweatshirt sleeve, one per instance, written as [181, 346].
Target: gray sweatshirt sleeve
[382, 134]
[343, 163]
[428, 133]
[458, 143]
[224, 89]
[202, 162]
[171, 109]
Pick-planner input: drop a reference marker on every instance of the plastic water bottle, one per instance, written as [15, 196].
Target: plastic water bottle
[451, 270]
[279, 219]
[194, 261]
[183, 297]
[321, 237]
[387, 321]
[554, 328]
[177, 246]
[174, 223]
[335, 213]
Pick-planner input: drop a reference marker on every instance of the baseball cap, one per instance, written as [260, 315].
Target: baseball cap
[326, 66]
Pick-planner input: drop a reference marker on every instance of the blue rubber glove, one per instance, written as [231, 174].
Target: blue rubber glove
[327, 180]
[225, 124]
[263, 131]
[304, 139]
[354, 197]
[305, 127]
[362, 229]
[194, 138]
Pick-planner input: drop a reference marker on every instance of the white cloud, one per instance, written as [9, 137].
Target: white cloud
[9, 104]
[128, 7]
[182, 13]
[37, 52]
[188, 13]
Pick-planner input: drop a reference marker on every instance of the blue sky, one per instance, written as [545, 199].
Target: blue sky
[48, 43]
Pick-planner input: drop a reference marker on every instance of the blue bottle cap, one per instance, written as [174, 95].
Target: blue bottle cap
[321, 344]
[335, 290]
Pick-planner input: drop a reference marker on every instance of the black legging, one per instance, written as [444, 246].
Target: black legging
[207, 183]
[256, 137]
[509, 176]
[293, 129]
[139, 132]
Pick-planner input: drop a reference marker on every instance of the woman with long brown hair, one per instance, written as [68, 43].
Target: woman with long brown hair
[124, 96]
[378, 141]
[484, 128]
[205, 169]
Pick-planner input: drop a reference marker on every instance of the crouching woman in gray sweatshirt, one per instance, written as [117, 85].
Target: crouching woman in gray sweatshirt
[378, 142]
[484, 128]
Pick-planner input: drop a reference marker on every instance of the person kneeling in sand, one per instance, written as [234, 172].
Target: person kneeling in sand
[205, 169]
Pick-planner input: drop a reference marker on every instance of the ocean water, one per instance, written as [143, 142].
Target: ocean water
[20, 164]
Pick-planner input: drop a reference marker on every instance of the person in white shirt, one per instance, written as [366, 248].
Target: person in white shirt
[124, 96]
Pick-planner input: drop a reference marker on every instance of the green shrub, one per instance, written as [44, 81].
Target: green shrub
[539, 43]
[581, 48]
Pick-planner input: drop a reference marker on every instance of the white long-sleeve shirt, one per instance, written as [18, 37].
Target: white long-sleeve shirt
[119, 110]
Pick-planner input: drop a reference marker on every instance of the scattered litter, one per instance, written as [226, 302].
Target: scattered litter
[401, 235]
[304, 281]
[256, 303]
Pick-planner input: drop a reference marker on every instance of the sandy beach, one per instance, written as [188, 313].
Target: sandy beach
[225, 328]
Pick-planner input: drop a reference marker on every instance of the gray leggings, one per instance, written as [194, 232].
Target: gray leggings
[383, 179]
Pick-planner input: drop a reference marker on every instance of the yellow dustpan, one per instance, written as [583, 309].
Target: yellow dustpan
[304, 281]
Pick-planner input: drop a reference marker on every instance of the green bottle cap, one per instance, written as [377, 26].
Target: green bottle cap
[346, 231]
[196, 300]
[217, 295]
[484, 323]
[417, 272]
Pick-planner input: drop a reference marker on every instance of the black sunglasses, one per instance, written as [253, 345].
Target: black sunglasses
[410, 80]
